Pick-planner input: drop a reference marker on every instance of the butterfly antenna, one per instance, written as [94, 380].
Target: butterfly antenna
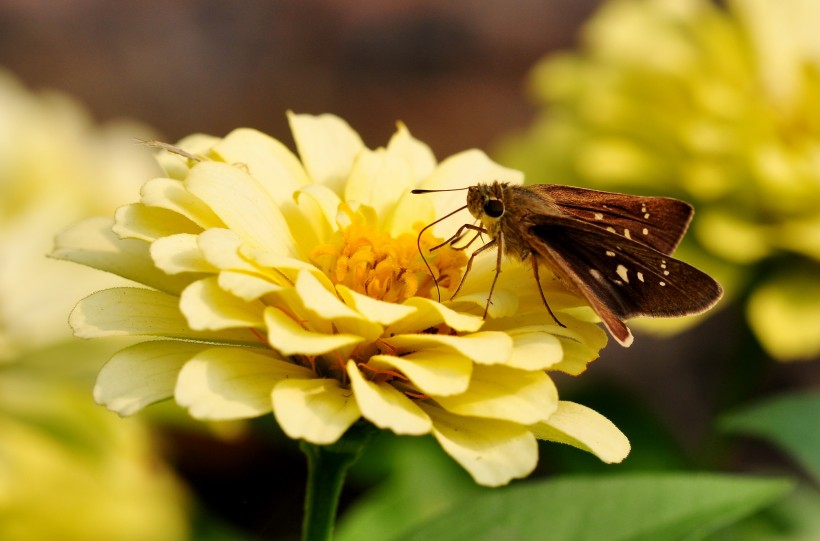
[425, 228]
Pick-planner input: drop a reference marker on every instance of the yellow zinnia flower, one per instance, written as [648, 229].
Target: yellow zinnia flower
[295, 285]
[716, 105]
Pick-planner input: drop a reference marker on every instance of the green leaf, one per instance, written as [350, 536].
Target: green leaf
[793, 518]
[651, 507]
[791, 421]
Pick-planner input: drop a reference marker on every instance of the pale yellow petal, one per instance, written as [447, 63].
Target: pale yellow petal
[384, 313]
[327, 145]
[242, 204]
[386, 407]
[179, 253]
[410, 211]
[276, 168]
[493, 452]
[126, 311]
[93, 243]
[326, 305]
[136, 221]
[378, 179]
[504, 303]
[535, 350]
[576, 357]
[232, 383]
[171, 195]
[585, 429]
[417, 155]
[481, 347]
[282, 270]
[433, 372]
[430, 313]
[142, 374]
[577, 344]
[319, 200]
[245, 286]
[290, 338]
[207, 306]
[221, 248]
[498, 392]
[315, 410]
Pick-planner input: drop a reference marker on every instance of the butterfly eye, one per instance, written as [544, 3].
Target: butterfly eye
[493, 208]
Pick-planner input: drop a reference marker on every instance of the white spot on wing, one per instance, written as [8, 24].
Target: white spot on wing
[599, 216]
[595, 274]
[622, 272]
[640, 276]
[626, 233]
[645, 231]
[662, 283]
[611, 229]
[666, 273]
[610, 253]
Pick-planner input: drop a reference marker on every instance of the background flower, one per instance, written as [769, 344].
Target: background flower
[713, 105]
[295, 285]
[66, 471]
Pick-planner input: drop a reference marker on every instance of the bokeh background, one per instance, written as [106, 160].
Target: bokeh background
[459, 75]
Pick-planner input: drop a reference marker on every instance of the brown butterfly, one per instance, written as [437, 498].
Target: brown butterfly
[612, 249]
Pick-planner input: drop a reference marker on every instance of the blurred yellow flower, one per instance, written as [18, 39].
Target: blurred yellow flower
[69, 473]
[56, 167]
[66, 472]
[293, 285]
[718, 106]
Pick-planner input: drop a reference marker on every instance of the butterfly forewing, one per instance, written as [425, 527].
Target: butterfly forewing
[658, 222]
[629, 278]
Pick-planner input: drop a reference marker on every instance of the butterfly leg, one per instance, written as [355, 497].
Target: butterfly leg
[452, 240]
[470, 265]
[499, 240]
[541, 291]
[459, 235]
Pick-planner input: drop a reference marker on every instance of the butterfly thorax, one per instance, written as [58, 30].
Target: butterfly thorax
[504, 208]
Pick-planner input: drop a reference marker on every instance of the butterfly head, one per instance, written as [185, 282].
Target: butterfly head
[486, 203]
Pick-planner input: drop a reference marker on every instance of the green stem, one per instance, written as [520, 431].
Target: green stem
[327, 467]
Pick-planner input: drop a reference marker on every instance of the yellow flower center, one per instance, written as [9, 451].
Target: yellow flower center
[386, 268]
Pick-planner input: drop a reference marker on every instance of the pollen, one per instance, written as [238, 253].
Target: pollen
[388, 268]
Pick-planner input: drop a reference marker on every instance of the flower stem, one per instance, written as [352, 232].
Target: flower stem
[327, 467]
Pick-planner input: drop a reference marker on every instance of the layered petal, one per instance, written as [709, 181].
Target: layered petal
[316, 410]
[232, 383]
[142, 374]
[387, 407]
[493, 452]
[586, 429]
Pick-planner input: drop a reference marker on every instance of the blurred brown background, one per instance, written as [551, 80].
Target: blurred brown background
[452, 71]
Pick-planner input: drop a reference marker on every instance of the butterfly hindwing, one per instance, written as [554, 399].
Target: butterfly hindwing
[626, 277]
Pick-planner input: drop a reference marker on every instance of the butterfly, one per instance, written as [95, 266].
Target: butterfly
[612, 249]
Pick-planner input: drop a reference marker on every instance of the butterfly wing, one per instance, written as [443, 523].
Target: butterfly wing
[658, 222]
[619, 277]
